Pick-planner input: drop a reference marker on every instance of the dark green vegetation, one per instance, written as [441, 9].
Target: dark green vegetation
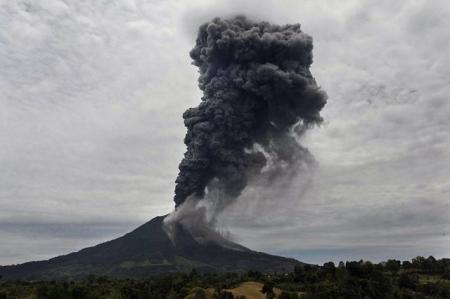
[144, 252]
[420, 278]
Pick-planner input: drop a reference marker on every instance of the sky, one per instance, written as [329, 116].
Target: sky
[91, 133]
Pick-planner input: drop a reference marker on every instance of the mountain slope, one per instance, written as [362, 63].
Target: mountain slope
[148, 251]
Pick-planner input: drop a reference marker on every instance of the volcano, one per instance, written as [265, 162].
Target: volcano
[148, 251]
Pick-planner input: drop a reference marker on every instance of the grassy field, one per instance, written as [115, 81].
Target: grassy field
[251, 290]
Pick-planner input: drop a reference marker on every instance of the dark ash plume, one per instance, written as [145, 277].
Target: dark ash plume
[258, 97]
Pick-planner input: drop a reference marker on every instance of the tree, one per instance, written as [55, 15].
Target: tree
[42, 292]
[172, 295]
[408, 280]
[267, 288]
[129, 292]
[254, 274]
[406, 265]
[288, 295]
[419, 262]
[354, 268]
[431, 264]
[329, 268]
[446, 274]
[392, 266]
[299, 274]
[431, 289]
[80, 292]
[226, 295]
[197, 293]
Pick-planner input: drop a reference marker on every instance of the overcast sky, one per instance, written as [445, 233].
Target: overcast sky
[91, 134]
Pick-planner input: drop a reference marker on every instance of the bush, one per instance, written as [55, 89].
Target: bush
[408, 280]
[226, 295]
[80, 292]
[288, 295]
[197, 293]
[267, 288]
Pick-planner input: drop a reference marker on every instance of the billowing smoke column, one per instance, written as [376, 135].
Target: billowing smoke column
[258, 98]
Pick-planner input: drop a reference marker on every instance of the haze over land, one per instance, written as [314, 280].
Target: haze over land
[91, 134]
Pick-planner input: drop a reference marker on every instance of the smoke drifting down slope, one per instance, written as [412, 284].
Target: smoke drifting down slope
[259, 97]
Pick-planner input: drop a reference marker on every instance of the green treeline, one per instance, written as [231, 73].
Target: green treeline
[419, 278]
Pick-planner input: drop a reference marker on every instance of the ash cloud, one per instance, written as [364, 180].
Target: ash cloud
[259, 97]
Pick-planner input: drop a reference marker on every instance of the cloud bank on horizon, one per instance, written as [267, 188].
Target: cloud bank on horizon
[91, 98]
